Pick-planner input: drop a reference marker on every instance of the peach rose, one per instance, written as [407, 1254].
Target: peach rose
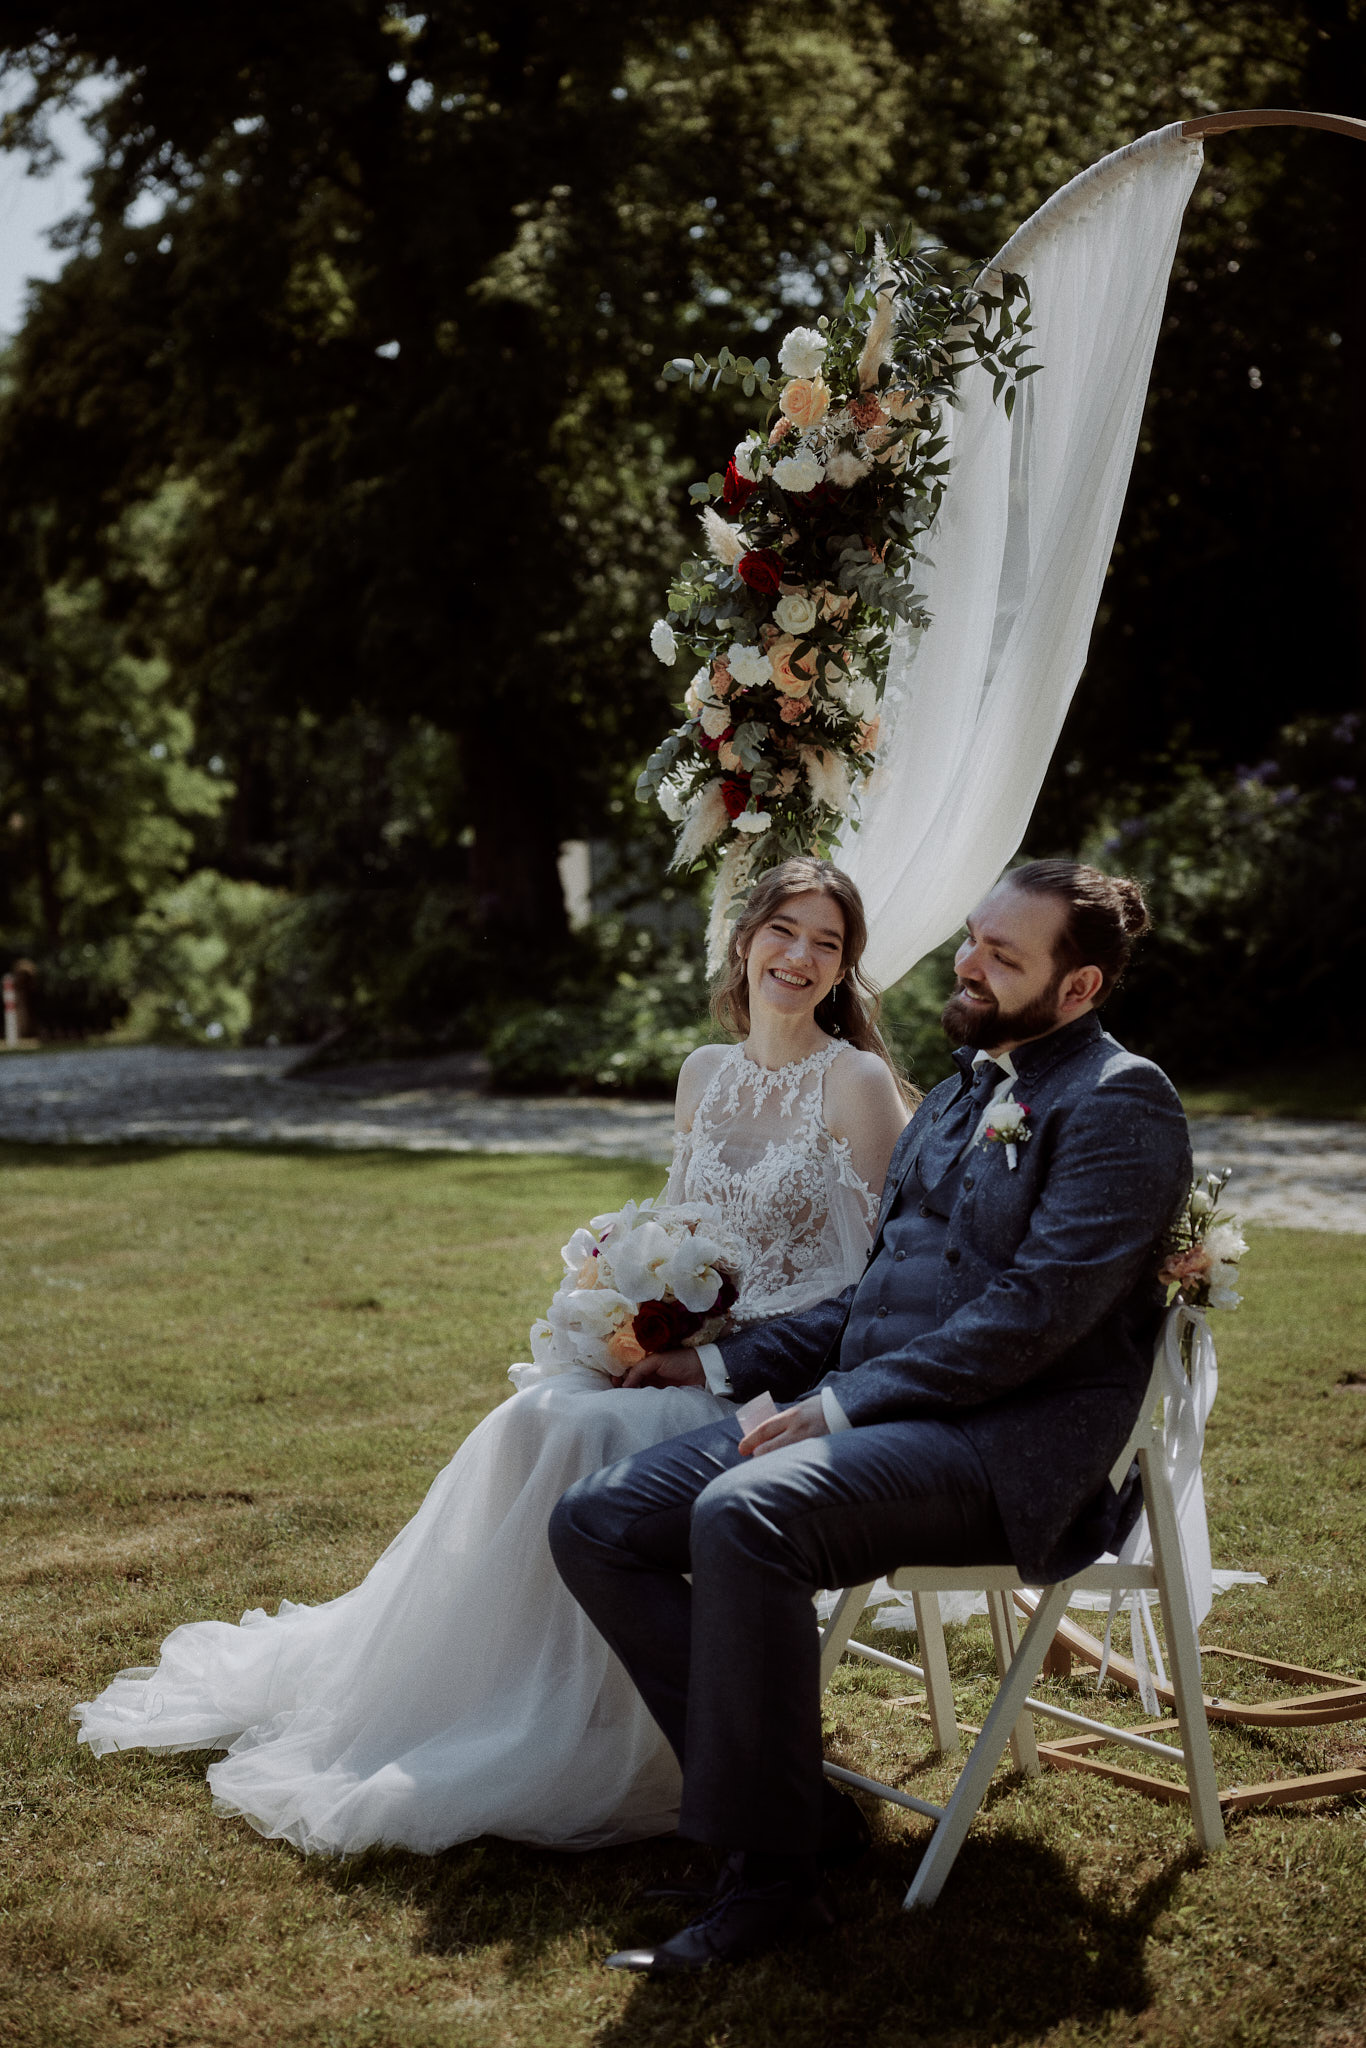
[624, 1347]
[867, 739]
[793, 678]
[791, 709]
[728, 758]
[721, 679]
[805, 401]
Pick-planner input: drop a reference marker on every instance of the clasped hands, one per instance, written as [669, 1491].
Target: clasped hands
[683, 1368]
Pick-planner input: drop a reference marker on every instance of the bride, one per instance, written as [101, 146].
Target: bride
[459, 1690]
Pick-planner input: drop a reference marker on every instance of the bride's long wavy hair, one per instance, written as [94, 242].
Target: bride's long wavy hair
[850, 1011]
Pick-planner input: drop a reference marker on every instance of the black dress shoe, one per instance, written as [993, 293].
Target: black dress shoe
[743, 1921]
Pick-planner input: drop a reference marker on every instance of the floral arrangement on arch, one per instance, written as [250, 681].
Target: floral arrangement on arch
[812, 534]
[647, 1277]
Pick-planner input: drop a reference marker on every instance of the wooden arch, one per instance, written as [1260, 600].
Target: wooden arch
[1274, 117]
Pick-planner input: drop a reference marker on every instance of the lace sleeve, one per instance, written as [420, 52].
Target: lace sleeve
[675, 1187]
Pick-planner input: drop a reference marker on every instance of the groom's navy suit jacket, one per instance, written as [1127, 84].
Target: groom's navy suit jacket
[1047, 1301]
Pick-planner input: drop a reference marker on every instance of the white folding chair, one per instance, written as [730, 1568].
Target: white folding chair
[1010, 1720]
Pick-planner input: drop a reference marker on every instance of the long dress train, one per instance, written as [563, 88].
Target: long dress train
[459, 1690]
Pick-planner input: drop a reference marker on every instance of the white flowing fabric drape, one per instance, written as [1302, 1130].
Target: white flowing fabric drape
[975, 704]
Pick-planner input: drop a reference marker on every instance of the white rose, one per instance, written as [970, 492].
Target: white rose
[747, 458]
[715, 720]
[798, 473]
[662, 642]
[753, 821]
[748, 665]
[802, 352]
[795, 613]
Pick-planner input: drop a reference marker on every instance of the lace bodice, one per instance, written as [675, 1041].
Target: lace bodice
[761, 1151]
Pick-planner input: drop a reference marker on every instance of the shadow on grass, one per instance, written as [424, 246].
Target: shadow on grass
[1014, 1948]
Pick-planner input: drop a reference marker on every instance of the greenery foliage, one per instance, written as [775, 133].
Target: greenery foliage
[336, 463]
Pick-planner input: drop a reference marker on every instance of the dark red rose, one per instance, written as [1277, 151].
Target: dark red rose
[705, 740]
[737, 490]
[664, 1325]
[734, 794]
[762, 570]
[726, 1299]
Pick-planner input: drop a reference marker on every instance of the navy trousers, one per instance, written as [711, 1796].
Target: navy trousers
[730, 1665]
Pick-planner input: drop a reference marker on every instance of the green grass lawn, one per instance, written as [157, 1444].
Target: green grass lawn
[228, 1378]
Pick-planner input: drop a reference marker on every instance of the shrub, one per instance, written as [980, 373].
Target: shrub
[1257, 886]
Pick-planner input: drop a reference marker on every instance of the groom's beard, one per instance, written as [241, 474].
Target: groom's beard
[982, 1025]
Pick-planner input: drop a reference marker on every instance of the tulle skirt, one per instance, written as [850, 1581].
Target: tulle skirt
[459, 1690]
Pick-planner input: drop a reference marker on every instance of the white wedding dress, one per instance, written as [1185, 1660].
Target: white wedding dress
[459, 1690]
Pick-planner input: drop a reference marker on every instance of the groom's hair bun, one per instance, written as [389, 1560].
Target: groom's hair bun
[1105, 914]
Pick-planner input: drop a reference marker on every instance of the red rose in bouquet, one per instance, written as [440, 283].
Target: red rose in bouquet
[762, 570]
[737, 490]
[734, 794]
[664, 1325]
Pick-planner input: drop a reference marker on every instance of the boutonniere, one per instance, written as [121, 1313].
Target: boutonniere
[1009, 1126]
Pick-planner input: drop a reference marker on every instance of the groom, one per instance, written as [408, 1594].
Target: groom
[961, 1404]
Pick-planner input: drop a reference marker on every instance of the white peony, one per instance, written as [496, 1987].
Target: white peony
[662, 642]
[748, 460]
[795, 613]
[798, 473]
[748, 665]
[753, 821]
[715, 720]
[802, 352]
[1225, 1244]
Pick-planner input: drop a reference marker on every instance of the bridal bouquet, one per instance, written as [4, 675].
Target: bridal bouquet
[646, 1278]
[811, 557]
[1202, 1248]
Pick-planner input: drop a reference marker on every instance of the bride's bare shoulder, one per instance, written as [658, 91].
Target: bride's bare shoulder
[693, 1078]
[861, 1090]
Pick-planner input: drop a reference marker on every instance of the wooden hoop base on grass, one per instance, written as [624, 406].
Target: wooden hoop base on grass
[1346, 1701]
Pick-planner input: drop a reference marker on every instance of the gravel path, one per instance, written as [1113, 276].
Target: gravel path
[1306, 1175]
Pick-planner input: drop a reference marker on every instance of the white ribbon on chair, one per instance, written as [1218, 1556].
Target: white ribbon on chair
[1187, 1398]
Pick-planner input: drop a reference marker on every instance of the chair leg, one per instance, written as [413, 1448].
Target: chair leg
[1184, 1652]
[929, 1627]
[985, 1754]
[837, 1631]
[1024, 1749]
